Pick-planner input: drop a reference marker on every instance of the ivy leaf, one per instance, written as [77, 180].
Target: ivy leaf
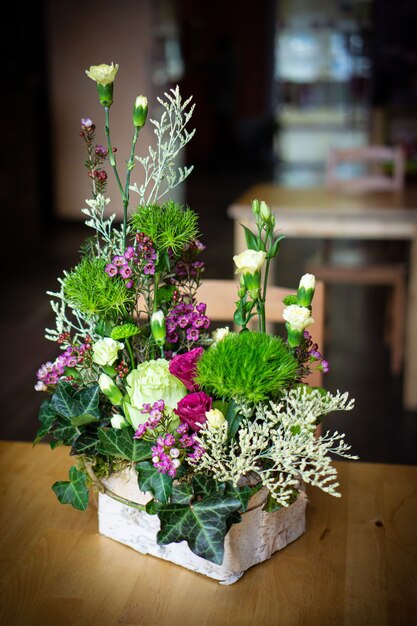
[152, 507]
[74, 491]
[149, 479]
[47, 415]
[243, 494]
[271, 504]
[64, 431]
[86, 443]
[82, 420]
[233, 417]
[204, 485]
[203, 525]
[120, 443]
[71, 403]
[182, 493]
[251, 239]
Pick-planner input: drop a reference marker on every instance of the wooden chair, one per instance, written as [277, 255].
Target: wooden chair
[391, 274]
[221, 295]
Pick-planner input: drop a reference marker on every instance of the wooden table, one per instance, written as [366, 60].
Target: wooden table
[319, 213]
[356, 564]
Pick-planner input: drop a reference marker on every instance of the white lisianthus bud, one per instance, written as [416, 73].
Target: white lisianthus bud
[219, 334]
[110, 389]
[215, 418]
[118, 421]
[256, 208]
[265, 211]
[306, 289]
[249, 261]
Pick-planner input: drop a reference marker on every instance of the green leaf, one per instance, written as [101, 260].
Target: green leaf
[120, 443]
[81, 420]
[251, 239]
[203, 525]
[86, 443]
[233, 417]
[275, 247]
[152, 507]
[47, 415]
[291, 299]
[64, 431]
[204, 485]
[70, 402]
[149, 479]
[74, 491]
[271, 504]
[243, 494]
[182, 493]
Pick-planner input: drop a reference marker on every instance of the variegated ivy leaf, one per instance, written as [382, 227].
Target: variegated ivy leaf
[74, 491]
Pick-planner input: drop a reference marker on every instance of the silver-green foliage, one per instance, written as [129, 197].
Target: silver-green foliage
[280, 445]
[161, 171]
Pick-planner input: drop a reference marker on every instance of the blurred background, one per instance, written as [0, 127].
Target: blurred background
[277, 84]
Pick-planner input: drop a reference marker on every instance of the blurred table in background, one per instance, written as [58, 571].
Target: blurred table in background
[356, 564]
[321, 214]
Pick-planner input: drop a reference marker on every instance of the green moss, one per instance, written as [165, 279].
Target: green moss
[250, 366]
[168, 226]
[90, 290]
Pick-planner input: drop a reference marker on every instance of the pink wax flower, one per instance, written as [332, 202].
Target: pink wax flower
[183, 367]
[192, 409]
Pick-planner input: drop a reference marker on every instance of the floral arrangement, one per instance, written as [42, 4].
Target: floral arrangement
[205, 419]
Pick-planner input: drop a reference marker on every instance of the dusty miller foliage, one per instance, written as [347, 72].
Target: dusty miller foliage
[161, 172]
[161, 175]
[279, 445]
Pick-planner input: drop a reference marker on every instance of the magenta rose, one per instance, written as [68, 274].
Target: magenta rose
[184, 366]
[192, 409]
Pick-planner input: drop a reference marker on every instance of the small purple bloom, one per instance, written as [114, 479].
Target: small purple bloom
[119, 260]
[201, 307]
[111, 269]
[125, 271]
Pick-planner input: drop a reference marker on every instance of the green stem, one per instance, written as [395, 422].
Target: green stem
[130, 166]
[112, 161]
[129, 349]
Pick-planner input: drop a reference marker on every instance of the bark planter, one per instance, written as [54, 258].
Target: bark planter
[252, 541]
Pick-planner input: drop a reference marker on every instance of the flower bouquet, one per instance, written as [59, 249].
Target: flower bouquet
[199, 443]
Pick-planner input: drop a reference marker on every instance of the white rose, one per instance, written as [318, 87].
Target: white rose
[298, 317]
[215, 418]
[105, 351]
[118, 421]
[249, 261]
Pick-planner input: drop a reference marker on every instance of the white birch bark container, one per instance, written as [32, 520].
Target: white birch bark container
[252, 541]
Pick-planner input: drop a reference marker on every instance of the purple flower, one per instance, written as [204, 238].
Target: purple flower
[86, 122]
[141, 430]
[119, 260]
[192, 409]
[184, 366]
[125, 271]
[201, 307]
[149, 268]
[130, 253]
[111, 269]
[192, 334]
[101, 151]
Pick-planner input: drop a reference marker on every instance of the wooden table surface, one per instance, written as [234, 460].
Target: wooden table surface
[356, 564]
[320, 213]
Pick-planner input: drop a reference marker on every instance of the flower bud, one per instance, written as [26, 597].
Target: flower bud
[158, 327]
[118, 421]
[306, 289]
[265, 211]
[253, 284]
[249, 261]
[104, 76]
[215, 418]
[297, 318]
[140, 111]
[255, 207]
[242, 287]
[110, 389]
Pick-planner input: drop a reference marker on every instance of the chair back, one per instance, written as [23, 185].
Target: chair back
[221, 296]
[386, 167]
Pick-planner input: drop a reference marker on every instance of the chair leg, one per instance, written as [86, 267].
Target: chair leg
[397, 325]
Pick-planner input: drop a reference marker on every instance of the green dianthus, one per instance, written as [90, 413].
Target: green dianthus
[249, 366]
